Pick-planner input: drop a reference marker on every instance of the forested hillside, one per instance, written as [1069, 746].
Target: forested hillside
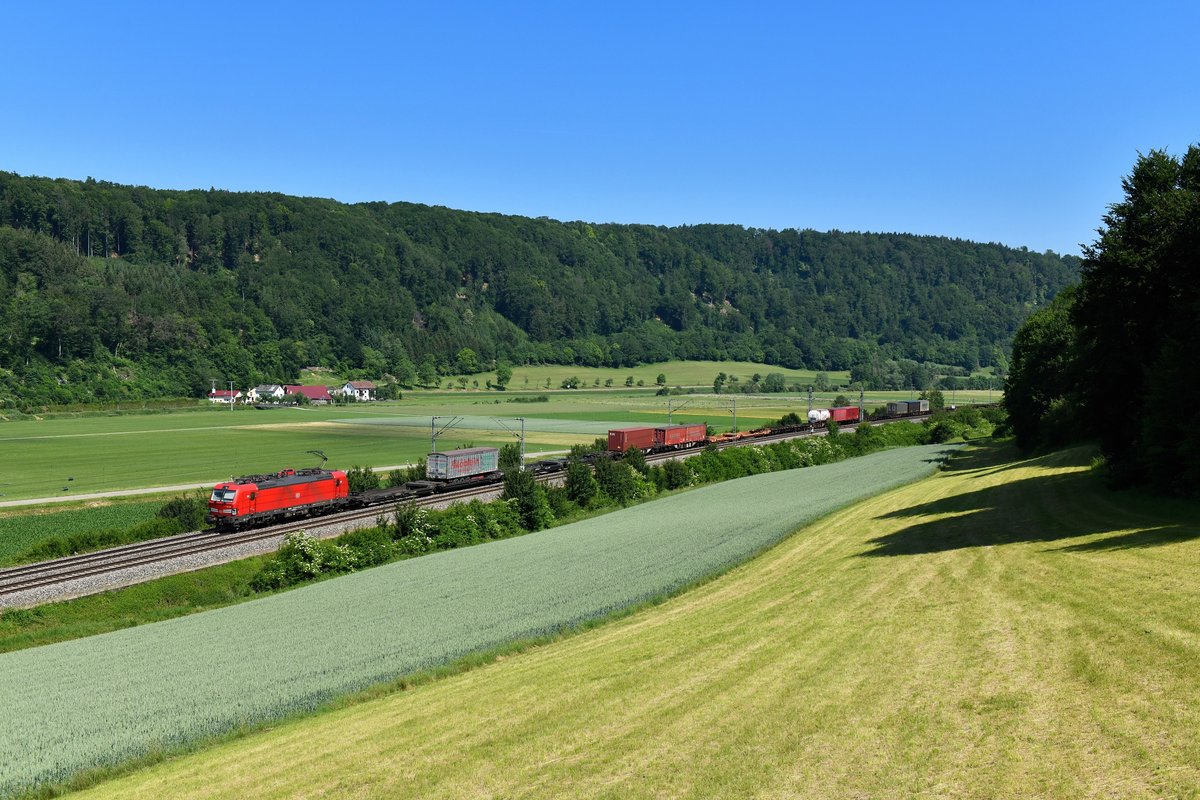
[114, 291]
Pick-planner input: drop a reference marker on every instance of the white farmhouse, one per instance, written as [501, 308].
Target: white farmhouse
[359, 390]
[266, 392]
[224, 396]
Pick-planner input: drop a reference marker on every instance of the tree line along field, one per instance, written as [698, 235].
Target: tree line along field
[123, 694]
[70, 455]
[677, 373]
[1004, 629]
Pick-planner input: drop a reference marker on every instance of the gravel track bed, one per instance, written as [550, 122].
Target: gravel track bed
[94, 584]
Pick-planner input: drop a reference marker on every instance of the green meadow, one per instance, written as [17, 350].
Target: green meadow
[122, 694]
[66, 455]
[1008, 628]
[21, 528]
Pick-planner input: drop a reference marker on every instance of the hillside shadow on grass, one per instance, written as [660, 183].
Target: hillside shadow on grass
[1043, 508]
[1154, 537]
[989, 456]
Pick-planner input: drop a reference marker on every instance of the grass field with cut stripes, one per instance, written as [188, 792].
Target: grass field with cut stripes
[104, 699]
[1003, 629]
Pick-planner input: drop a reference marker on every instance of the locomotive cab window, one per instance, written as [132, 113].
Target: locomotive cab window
[223, 495]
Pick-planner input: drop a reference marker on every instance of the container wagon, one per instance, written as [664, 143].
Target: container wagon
[844, 414]
[621, 439]
[255, 499]
[454, 465]
[675, 437]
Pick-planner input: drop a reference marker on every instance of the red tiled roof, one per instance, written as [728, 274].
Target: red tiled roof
[311, 392]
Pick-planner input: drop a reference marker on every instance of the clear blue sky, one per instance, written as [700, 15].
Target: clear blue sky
[1011, 123]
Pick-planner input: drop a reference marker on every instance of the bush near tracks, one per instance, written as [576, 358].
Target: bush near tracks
[156, 688]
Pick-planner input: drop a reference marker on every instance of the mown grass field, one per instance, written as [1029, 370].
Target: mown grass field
[121, 694]
[1004, 629]
[68, 457]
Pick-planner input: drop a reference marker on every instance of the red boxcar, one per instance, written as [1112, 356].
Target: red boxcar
[844, 414]
[680, 435]
[622, 439]
[259, 498]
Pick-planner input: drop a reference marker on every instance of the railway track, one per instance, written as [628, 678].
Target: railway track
[29, 577]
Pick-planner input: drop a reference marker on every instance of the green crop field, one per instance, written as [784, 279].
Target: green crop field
[21, 529]
[1005, 629]
[121, 694]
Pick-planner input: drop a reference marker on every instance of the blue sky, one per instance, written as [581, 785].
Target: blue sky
[1011, 123]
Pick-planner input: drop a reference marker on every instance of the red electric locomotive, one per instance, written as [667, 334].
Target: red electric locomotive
[257, 499]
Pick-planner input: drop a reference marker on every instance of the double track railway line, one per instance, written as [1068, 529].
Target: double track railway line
[17, 582]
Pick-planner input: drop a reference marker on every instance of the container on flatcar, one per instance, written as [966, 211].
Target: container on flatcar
[621, 439]
[897, 408]
[261, 497]
[843, 414]
[817, 415]
[918, 406]
[464, 463]
[679, 435]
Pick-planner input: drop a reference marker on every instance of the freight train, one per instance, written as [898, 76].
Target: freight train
[262, 499]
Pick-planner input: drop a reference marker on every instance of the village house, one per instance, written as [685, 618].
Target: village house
[224, 396]
[317, 395]
[359, 390]
[265, 393]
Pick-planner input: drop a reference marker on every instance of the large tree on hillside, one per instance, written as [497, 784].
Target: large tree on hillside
[1137, 316]
[1041, 386]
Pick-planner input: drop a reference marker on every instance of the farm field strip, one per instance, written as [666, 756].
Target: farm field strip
[120, 694]
[1005, 629]
[20, 531]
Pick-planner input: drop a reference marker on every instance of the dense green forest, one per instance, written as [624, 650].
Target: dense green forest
[1115, 358]
[113, 292]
